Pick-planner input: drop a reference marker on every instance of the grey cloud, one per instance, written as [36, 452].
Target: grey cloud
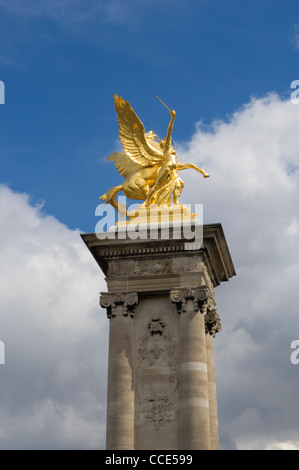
[53, 385]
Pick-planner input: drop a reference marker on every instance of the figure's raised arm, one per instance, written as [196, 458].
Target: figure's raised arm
[186, 166]
[169, 131]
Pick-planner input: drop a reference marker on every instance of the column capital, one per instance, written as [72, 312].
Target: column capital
[212, 322]
[200, 296]
[119, 303]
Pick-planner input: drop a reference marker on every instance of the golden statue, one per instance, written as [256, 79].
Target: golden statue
[149, 165]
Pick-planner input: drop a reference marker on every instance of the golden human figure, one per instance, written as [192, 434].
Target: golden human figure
[148, 165]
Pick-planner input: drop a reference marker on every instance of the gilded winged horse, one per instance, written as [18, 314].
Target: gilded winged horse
[149, 165]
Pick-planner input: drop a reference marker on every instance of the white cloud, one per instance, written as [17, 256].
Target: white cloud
[288, 445]
[253, 191]
[53, 385]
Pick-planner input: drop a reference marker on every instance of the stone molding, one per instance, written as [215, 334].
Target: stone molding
[214, 251]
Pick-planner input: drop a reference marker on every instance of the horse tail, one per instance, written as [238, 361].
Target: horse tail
[110, 198]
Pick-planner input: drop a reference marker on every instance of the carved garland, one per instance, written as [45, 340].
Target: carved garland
[157, 357]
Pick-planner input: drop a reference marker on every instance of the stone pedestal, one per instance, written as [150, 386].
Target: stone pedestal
[161, 308]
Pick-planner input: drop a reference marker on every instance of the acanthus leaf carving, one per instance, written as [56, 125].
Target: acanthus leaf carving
[200, 297]
[212, 322]
[119, 303]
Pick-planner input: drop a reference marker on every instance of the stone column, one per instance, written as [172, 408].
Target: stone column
[213, 326]
[120, 400]
[161, 377]
[194, 405]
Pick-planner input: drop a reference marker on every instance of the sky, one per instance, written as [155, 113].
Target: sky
[226, 68]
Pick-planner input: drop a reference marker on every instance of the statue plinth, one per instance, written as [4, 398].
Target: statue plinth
[157, 215]
[161, 308]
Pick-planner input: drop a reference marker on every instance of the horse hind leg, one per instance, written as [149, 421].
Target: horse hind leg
[136, 189]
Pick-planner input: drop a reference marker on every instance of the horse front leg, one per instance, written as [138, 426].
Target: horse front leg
[187, 166]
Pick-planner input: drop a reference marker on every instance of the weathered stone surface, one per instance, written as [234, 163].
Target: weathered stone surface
[214, 251]
[161, 308]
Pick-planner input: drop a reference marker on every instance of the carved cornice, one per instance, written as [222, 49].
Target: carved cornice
[212, 322]
[200, 296]
[118, 303]
[214, 252]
